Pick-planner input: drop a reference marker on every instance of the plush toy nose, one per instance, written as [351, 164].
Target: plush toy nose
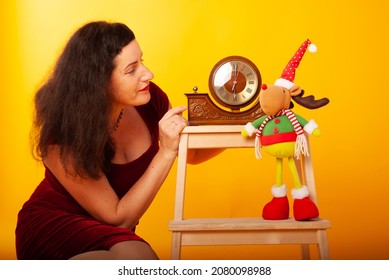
[264, 86]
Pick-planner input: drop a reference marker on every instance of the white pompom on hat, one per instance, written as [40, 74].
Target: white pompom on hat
[287, 77]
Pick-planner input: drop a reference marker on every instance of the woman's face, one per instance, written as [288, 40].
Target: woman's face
[130, 78]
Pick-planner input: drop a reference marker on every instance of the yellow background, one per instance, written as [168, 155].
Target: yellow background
[181, 41]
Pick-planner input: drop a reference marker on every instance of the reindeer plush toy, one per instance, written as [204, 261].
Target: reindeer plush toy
[281, 133]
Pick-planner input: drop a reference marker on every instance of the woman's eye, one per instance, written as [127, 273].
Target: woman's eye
[133, 69]
[130, 71]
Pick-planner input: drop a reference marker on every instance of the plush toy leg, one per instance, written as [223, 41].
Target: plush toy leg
[278, 207]
[279, 172]
[303, 207]
[295, 175]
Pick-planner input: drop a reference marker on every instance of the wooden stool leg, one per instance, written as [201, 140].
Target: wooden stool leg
[176, 246]
[305, 252]
[180, 195]
[323, 245]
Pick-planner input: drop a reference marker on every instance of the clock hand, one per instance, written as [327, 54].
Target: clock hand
[235, 81]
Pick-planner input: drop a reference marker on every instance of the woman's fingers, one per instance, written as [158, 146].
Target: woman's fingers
[174, 112]
[170, 128]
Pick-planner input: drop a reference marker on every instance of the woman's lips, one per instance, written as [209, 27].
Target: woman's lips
[146, 88]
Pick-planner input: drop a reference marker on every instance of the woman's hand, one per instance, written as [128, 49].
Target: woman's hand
[170, 128]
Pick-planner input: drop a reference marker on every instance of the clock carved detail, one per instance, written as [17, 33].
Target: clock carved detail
[202, 111]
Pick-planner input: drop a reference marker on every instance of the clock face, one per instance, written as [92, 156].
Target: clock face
[235, 82]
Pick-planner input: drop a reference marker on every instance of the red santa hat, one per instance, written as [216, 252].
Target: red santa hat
[287, 77]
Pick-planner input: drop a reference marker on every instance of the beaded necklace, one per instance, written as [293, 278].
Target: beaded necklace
[118, 120]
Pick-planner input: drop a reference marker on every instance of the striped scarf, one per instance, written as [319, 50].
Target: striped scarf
[301, 146]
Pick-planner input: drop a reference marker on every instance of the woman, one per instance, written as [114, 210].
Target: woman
[107, 137]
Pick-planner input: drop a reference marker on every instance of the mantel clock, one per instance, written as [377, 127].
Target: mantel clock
[234, 84]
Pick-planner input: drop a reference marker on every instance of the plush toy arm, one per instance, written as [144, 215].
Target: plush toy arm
[251, 128]
[248, 130]
[312, 128]
[316, 132]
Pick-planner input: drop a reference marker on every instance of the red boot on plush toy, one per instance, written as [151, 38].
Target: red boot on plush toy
[278, 207]
[303, 207]
[281, 133]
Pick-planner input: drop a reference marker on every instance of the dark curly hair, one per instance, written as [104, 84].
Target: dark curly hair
[72, 108]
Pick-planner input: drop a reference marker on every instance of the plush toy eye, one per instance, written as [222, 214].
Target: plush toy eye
[283, 90]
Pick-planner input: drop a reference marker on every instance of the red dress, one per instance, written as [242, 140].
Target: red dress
[52, 225]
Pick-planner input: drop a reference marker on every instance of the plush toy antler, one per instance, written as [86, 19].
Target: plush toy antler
[309, 101]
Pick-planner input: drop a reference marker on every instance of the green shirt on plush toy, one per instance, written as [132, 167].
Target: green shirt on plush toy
[281, 133]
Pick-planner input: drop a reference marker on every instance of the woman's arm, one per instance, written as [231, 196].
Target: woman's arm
[97, 196]
[196, 156]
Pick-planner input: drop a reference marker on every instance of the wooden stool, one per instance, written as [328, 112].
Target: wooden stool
[239, 231]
